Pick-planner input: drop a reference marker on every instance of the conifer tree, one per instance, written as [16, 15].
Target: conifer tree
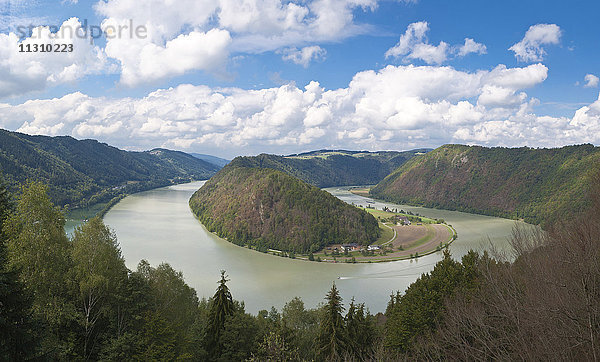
[332, 340]
[221, 307]
[352, 327]
[360, 330]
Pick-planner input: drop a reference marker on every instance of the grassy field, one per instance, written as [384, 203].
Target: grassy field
[399, 249]
[361, 191]
[386, 214]
[320, 155]
[386, 234]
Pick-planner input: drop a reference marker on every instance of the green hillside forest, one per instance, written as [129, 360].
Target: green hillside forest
[266, 208]
[538, 185]
[87, 172]
[326, 168]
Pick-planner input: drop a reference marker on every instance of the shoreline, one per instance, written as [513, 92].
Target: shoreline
[89, 211]
[347, 259]
[359, 191]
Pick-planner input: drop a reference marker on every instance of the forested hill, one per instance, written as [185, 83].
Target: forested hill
[326, 168]
[82, 173]
[539, 185]
[266, 208]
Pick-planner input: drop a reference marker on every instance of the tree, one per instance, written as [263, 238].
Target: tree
[221, 307]
[159, 340]
[16, 337]
[332, 340]
[173, 300]
[360, 330]
[419, 310]
[239, 336]
[39, 250]
[274, 348]
[99, 271]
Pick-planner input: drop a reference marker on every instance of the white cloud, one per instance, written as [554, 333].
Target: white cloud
[413, 44]
[197, 35]
[591, 81]
[144, 61]
[397, 107]
[530, 49]
[471, 46]
[305, 55]
[24, 72]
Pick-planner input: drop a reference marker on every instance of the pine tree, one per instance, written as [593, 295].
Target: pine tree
[352, 327]
[360, 330]
[221, 307]
[332, 340]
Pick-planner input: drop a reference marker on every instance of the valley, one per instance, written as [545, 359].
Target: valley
[157, 225]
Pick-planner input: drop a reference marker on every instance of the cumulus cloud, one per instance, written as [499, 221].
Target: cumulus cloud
[192, 35]
[305, 55]
[24, 72]
[413, 44]
[184, 36]
[145, 61]
[471, 47]
[530, 49]
[591, 81]
[397, 107]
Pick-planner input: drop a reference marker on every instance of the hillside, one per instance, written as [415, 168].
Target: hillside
[220, 162]
[333, 168]
[534, 184]
[82, 173]
[266, 208]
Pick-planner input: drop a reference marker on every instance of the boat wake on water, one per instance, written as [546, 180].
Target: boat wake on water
[391, 274]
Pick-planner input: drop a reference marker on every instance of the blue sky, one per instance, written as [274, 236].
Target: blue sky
[234, 77]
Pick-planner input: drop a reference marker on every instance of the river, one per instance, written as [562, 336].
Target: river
[158, 226]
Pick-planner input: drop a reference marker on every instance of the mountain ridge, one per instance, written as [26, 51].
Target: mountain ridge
[81, 173]
[520, 183]
[327, 168]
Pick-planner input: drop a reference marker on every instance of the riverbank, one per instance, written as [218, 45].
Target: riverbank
[158, 226]
[405, 235]
[419, 237]
[77, 216]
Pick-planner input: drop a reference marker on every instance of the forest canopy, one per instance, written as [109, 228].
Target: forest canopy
[537, 185]
[266, 208]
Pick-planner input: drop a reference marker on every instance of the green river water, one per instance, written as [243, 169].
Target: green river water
[158, 226]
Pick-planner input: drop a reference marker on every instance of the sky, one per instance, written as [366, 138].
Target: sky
[243, 77]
